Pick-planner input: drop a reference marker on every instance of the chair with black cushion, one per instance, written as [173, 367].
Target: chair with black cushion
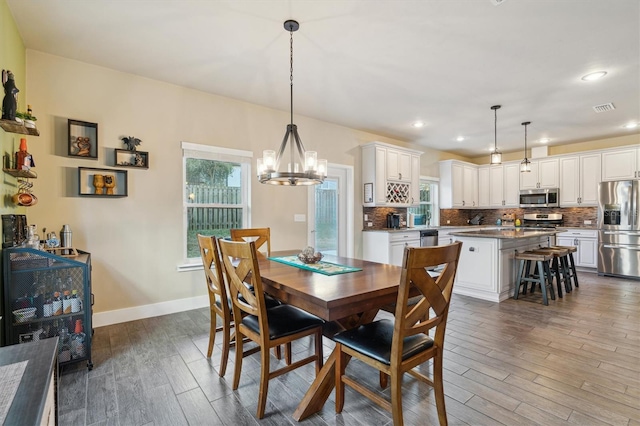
[396, 347]
[268, 328]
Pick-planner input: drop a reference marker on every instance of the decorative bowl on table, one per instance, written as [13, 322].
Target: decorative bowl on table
[24, 314]
[310, 258]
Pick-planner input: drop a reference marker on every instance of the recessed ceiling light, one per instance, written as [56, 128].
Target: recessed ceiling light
[418, 124]
[544, 140]
[460, 138]
[594, 76]
[630, 125]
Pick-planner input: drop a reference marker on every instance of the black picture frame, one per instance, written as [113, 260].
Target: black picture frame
[132, 159]
[82, 139]
[86, 187]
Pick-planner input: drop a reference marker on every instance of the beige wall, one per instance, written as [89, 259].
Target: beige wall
[137, 241]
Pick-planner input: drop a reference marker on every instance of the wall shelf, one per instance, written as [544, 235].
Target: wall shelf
[15, 127]
[87, 177]
[6, 167]
[131, 159]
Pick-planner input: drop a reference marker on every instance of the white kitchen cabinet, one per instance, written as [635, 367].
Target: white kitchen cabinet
[586, 242]
[621, 164]
[388, 247]
[504, 185]
[443, 235]
[544, 174]
[579, 178]
[390, 175]
[484, 186]
[458, 184]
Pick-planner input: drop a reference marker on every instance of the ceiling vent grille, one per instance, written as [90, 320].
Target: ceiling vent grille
[604, 107]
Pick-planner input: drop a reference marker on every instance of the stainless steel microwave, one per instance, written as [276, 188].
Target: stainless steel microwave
[539, 197]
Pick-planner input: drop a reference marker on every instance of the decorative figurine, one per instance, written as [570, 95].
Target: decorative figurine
[84, 146]
[10, 101]
[98, 182]
[139, 161]
[109, 183]
[132, 142]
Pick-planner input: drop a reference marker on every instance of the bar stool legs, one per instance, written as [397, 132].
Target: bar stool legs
[543, 277]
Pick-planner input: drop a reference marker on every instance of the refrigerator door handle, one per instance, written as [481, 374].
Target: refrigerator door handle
[635, 248]
[635, 234]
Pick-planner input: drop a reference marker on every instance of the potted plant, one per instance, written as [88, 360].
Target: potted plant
[28, 119]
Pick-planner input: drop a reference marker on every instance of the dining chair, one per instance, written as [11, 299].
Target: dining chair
[395, 347]
[261, 236]
[219, 301]
[268, 328]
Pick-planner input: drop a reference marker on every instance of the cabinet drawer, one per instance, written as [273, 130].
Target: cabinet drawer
[579, 233]
[402, 236]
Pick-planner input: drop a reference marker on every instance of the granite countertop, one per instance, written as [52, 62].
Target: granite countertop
[424, 227]
[508, 233]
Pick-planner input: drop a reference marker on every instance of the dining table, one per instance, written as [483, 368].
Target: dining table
[344, 300]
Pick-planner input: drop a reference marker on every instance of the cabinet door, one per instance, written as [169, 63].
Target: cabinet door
[590, 174]
[620, 164]
[570, 181]
[457, 184]
[484, 186]
[396, 250]
[511, 185]
[529, 180]
[415, 179]
[548, 173]
[496, 190]
[392, 162]
[381, 181]
[470, 188]
[404, 166]
[587, 254]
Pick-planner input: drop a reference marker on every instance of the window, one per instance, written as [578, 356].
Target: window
[216, 193]
[428, 212]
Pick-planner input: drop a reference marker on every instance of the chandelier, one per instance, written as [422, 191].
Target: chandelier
[304, 167]
[525, 165]
[496, 156]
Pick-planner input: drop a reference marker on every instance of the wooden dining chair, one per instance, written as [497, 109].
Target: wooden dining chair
[261, 237]
[268, 328]
[395, 347]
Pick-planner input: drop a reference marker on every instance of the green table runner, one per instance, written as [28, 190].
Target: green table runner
[325, 268]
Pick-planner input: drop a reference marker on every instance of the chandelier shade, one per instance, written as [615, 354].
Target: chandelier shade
[525, 165]
[303, 167]
[496, 156]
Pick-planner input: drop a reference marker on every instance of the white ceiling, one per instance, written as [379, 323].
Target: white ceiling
[376, 65]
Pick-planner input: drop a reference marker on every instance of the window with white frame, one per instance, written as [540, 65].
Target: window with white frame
[428, 212]
[216, 193]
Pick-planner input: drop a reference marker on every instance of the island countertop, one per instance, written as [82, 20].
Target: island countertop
[508, 233]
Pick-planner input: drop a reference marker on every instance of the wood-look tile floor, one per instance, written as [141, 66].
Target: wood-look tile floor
[576, 361]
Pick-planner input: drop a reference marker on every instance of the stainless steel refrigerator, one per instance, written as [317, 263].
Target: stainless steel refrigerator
[619, 228]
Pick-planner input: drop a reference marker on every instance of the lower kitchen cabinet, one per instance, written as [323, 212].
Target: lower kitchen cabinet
[388, 247]
[586, 241]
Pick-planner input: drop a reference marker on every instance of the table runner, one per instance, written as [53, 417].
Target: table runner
[10, 377]
[322, 267]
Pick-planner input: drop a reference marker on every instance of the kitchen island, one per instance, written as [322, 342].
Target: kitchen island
[487, 268]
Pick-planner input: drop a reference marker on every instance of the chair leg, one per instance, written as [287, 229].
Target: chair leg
[264, 382]
[396, 398]
[543, 286]
[320, 361]
[549, 279]
[277, 351]
[226, 342]
[438, 387]
[384, 380]
[287, 353]
[239, 356]
[518, 281]
[573, 270]
[339, 371]
[212, 333]
[567, 274]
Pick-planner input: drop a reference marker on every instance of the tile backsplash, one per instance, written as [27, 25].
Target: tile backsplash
[572, 217]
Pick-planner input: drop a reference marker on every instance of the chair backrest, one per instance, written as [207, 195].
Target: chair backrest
[240, 261]
[260, 236]
[435, 292]
[213, 271]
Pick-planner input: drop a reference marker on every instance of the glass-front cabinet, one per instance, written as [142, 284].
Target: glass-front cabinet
[46, 295]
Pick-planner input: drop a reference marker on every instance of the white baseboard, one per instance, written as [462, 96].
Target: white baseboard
[100, 319]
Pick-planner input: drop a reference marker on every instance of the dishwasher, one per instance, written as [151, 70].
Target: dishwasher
[428, 237]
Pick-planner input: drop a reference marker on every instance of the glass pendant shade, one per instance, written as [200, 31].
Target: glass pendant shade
[496, 157]
[303, 167]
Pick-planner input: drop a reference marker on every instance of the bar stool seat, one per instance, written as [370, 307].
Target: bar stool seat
[544, 277]
[572, 264]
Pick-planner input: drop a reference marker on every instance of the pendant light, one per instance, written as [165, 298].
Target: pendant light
[303, 167]
[496, 156]
[525, 165]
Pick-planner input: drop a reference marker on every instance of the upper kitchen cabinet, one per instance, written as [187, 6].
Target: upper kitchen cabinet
[579, 178]
[504, 185]
[390, 175]
[544, 174]
[458, 185]
[621, 164]
[484, 182]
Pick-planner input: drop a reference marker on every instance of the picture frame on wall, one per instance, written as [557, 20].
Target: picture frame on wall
[83, 139]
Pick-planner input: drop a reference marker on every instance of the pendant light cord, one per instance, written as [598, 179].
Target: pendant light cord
[291, 70]
[495, 130]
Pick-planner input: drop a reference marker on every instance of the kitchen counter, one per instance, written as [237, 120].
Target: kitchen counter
[507, 233]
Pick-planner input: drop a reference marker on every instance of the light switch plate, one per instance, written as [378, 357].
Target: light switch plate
[299, 217]
[366, 218]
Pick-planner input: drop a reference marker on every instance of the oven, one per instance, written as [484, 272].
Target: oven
[548, 197]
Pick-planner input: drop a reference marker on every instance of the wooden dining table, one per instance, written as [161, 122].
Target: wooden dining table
[344, 300]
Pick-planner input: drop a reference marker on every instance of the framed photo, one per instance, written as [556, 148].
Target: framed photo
[83, 139]
[368, 192]
[134, 159]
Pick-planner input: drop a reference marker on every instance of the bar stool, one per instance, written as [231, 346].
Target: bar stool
[544, 277]
[572, 264]
[559, 266]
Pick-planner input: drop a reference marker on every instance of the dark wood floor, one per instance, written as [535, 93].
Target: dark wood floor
[576, 361]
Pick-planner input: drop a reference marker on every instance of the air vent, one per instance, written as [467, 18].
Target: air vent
[604, 107]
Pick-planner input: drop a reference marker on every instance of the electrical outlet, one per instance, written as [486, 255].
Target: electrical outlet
[448, 222]
[587, 222]
[369, 224]
[299, 218]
